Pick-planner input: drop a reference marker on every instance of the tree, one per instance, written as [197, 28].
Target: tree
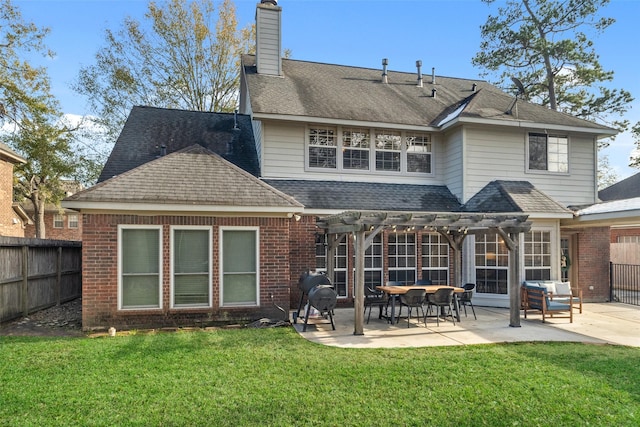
[182, 58]
[606, 175]
[24, 89]
[544, 44]
[634, 161]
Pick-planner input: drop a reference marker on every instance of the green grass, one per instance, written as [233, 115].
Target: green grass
[273, 377]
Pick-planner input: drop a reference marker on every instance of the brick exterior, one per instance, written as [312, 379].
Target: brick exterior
[8, 217]
[100, 273]
[64, 233]
[593, 263]
[618, 232]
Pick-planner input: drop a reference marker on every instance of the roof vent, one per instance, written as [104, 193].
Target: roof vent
[473, 87]
[385, 62]
[419, 67]
[433, 92]
[433, 75]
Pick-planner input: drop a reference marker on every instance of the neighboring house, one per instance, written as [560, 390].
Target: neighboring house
[202, 217]
[60, 223]
[13, 218]
[627, 195]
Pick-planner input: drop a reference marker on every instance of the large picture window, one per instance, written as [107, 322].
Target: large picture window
[492, 264]
[537, 255]
[548, 153]
[239, 269]
[402, 257]
[140, 267]
[191, 267]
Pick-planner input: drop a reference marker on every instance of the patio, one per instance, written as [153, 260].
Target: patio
[602, 323]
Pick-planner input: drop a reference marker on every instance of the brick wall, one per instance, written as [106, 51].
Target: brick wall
[593, 263]
[618, 232]
[7, 215]
[100, 273]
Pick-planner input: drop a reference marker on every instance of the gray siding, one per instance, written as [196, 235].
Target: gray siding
[453, 162]
[268, 38]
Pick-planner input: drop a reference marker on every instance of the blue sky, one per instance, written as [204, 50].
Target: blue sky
[443, 34]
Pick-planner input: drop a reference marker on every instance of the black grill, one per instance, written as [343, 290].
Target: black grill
[320, 295]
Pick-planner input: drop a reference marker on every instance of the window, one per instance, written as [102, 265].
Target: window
[418, 153]
[548, 153]
[372, 263]
[239, 269]
[191, 267]
[139, 267]
[58, 221]
[492, 264]
[388, 146]
[435, 258]
[628, 239]
[402, 257]
[73, 221]
[322, 147]
[356, 145]
[537, 255]
[339, 279]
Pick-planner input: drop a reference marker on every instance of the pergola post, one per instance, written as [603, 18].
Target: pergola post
[514, 283]
[358, 297]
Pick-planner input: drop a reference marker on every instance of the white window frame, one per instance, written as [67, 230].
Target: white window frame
[501, 263]
[173, 229]
[442, 254]
[72, 221]
[551, 141]
[309, 146]
[58, 221]
[398, 256]
[380, 145]
[341, 147]
[418, 139]
[122, 227]
[340, 263]
[357, 148]
[221, 231]
[533, 252]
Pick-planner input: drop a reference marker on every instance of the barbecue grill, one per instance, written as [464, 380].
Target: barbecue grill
[320, 295]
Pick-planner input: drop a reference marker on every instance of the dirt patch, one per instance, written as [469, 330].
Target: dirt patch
[58, 321]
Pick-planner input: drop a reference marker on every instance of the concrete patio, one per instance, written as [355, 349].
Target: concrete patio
[605, 323]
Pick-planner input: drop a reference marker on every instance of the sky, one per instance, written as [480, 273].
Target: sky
[443, 34]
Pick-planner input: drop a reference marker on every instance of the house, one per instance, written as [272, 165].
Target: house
[204, 217]
[13, 218]
[60, 223]
[626, 194]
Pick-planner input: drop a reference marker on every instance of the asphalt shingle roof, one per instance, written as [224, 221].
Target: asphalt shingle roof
[513, 196]
[311, 89]
[192, 176]
[147, 129]
[340, 195]
[626, 189]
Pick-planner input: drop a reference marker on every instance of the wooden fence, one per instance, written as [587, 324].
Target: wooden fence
[625, 253]
[37, 274]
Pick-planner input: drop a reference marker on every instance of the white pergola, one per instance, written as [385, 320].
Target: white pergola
[454, 227]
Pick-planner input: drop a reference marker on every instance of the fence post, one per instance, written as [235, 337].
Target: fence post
[610, 281]
[58, 289]
[25, 280]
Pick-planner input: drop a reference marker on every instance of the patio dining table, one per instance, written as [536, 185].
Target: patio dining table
[393, 291]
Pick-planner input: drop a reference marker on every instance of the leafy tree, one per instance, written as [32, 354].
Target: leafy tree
[634, 161]
[606, 175]
[24, 89]
[544, 44]
[182, 58]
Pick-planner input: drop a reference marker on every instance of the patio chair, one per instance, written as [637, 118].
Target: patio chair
[394, 297]
[374, 298]
[566, 294]
[414, 298]
[464, 299]
[424, 282]
[441, 299]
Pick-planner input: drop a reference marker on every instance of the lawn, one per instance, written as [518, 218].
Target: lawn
[273, 377]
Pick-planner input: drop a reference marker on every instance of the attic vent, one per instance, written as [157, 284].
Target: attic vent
[385, 62]
[419, 66]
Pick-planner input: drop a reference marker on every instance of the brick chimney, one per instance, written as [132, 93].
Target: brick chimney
[269, 38]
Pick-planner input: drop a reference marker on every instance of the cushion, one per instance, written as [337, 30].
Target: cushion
[550, 285]
[563, 288]
[531, 284]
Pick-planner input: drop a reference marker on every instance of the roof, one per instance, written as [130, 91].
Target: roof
[340, 195]
[9, 155]
[148, 129]
[631, 204]
[626, 189]
[190, 179]
[513, 196]
[358, 94]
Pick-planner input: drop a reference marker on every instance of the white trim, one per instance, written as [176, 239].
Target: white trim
[221, 231]
[601, 133]
[133, 205]
[349, 123]
[173, 228]
[160, 260]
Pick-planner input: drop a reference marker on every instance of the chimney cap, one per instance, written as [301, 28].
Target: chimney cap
[273, 2]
